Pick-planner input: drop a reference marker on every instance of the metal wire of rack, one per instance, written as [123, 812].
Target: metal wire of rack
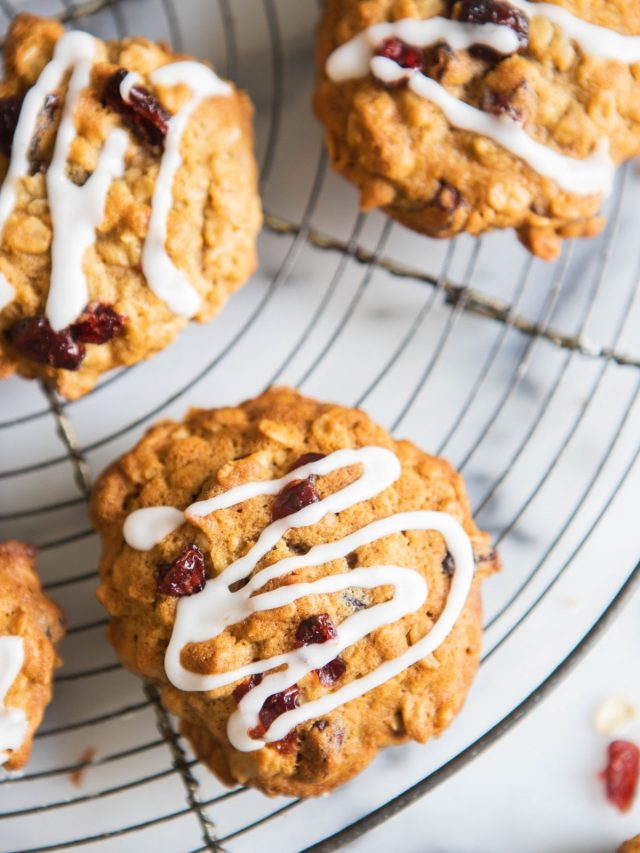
[533, 369]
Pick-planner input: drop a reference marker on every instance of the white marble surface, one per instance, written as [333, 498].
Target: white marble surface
[536, 790]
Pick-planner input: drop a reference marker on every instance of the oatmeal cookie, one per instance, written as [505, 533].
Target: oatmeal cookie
[31, 626]
[472, 115]
[129, 200]
[630, 846]
[317, 600]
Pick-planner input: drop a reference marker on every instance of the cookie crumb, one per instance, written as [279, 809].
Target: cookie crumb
[613, 715]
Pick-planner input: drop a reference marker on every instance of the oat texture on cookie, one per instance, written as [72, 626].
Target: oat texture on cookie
[128, 203]
[31, 627]
[472, 115]
[304, 589]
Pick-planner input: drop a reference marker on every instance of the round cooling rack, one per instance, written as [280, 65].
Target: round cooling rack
[526, 375]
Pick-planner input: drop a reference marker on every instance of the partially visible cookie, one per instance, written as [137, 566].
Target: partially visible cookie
[129, 201]
[321, 604]
[31, 626]
[481, 114]
[630, 846]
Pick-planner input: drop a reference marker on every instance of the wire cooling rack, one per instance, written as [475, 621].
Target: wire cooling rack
[526, 375]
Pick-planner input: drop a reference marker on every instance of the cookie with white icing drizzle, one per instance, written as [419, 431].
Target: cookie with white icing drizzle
[31, 627]
[128, 202]
[474, 115]
[304, 590]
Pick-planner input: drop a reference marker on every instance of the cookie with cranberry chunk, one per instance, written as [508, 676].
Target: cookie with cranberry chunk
[31, 626]
[303, 589]
[129, 200]
[473, 115]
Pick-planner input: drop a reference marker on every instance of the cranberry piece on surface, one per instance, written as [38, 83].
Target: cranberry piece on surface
[306, 459]
[621, 773]
[34, 338]
[245, 686]
[331, 672]
[143, 111]
[294, 497]
[402, 53]
[316, 629]
[495, 12]
[98, 325]
[185, 576]
[274, 706]
[9, 114]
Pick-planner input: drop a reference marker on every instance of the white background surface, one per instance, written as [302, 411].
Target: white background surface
[536, 790]
[547, 439]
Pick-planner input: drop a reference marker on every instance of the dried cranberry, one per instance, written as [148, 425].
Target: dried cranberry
[495, 12]
[402, 53]
[185, 576]
[306, 459]
[274, 706]
[331, 672]
[447, 198]
[34, 338]
[294, 497]
[448, 565]
[621, 773]
[9, 114]
[98, 325]
[143, 111]
[316, 629]
[288, 744]
[245, 686]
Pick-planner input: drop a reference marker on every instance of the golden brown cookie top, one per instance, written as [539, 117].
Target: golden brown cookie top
[30, 628]
[500, 115]
[129, 202]
[231, 456]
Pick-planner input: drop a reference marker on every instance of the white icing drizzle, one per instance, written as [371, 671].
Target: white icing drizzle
[75, 211]
[7, 292]
[356, 58]
[145, 528]
[132, 79]
[592, 175]
[168, 282]
[204, 616]
[352, 59]
[13, 721]
[592, 38]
